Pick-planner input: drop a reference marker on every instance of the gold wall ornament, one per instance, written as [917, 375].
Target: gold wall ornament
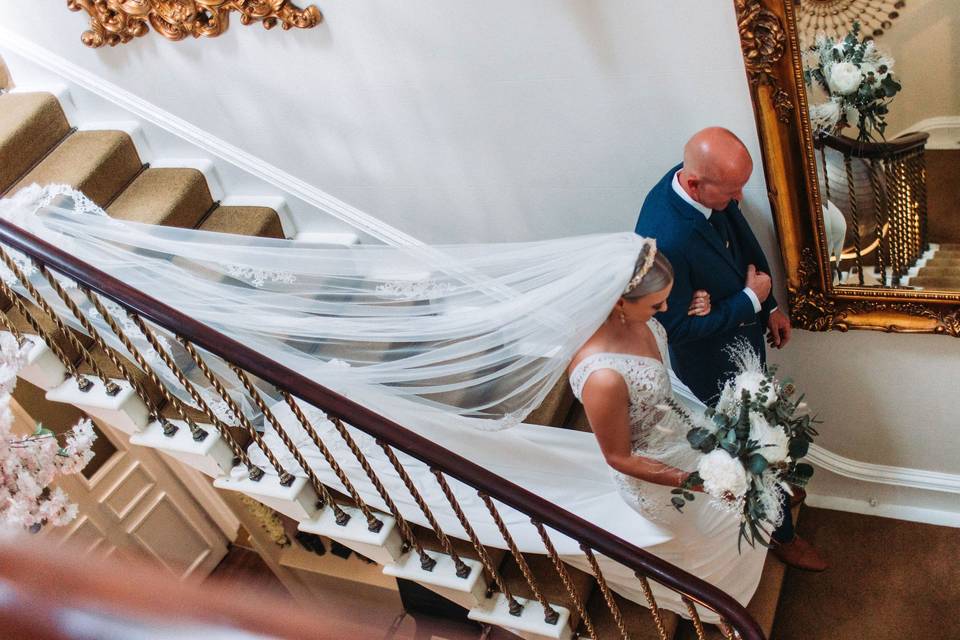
[763, 42]
[771, 52]
[836, 17]
[114, 22]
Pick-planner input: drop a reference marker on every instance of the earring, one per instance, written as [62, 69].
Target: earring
[623, 317]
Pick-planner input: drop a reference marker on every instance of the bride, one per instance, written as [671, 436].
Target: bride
[622, 376]
[456, 343]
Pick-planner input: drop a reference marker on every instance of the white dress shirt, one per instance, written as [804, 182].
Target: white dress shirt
[707, 212]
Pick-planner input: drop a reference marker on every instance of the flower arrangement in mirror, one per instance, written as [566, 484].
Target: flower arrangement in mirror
[30, 464]
[858, 80]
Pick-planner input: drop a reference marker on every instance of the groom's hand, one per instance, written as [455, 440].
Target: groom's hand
[779, 326]
[759, 282]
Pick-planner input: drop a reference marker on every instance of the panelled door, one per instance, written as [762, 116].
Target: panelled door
[130, 502]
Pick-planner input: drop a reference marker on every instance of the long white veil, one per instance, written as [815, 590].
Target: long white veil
[452, 342]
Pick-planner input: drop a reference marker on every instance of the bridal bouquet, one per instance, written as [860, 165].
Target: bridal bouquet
[857, 77]
[751, 444]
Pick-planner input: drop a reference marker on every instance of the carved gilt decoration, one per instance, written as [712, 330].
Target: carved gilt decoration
[763, 41]
[114, 22]
[771, 53]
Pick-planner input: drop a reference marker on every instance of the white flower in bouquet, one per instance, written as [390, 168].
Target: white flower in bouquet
[773, 441]
[723, 476]
[852, 114]
[844, 78]
[751, 381]
[825, 115]
[728, 402]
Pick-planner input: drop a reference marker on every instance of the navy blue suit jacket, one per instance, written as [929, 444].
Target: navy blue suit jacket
[701, 261]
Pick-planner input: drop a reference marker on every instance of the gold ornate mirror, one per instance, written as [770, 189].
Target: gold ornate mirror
[864, 188]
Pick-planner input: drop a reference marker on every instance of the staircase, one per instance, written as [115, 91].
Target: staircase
[534, 595]
[942, 271]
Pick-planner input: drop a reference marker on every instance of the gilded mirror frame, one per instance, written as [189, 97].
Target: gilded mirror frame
[771, 53]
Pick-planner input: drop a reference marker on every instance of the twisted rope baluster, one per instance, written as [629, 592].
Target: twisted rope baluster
[564, 576]
[895, 224]
[109, 385]
[854, 215]
[373, 524]
[726, 630]
[924, 220]
[318, 486]
[515, 607]
[883, 247]
[115, 359]
[72, 371]
[5, 321]
[605, 591]
[286, 478]
[255, 473]
[426, 562]
[550, 615]
[463, 570]
[694, 617]
[652, 603]
[83, 383]
[168, 428]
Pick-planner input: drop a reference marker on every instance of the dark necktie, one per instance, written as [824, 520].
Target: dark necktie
[720, 222]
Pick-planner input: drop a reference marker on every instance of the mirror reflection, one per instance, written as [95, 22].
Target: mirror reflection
[882, 84]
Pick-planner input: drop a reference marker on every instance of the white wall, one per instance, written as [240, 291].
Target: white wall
[468, 121]
[925, 44]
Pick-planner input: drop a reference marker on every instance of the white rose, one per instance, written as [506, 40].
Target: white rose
[773, 441]
[751, 381]
[722, 474]
[844, 78]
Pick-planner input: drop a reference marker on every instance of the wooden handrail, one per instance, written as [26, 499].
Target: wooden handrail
[384, 429]
[870, 150]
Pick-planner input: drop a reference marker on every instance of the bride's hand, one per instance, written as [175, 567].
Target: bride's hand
[700, 305]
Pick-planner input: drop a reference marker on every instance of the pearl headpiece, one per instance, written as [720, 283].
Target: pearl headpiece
[651, 243]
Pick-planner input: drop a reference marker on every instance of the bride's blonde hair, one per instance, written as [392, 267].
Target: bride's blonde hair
[658, 274]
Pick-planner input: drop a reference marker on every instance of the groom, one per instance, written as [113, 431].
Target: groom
[694, 214]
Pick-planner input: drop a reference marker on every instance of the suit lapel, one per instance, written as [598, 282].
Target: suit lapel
[706, 230]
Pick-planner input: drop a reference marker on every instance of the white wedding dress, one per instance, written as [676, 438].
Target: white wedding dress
[703, 538]
[456, 343]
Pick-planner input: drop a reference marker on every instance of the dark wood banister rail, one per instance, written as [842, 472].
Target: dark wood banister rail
[857, 149]
[386, 430]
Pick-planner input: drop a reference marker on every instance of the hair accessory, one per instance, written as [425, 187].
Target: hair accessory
[635, 281]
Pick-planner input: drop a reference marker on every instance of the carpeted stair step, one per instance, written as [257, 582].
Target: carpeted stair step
[939, 271]
[555, 407]
[31, 124]
[98, 163]
[248, 221]
[936, 282]
[577, 418]
[170, 197]
[938, 261]
[548, 581]
[638, 621]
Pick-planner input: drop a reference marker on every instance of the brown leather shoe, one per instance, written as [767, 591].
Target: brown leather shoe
[799, 495]
[800, 554]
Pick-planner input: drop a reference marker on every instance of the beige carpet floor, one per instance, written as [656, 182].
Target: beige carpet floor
[889, 579]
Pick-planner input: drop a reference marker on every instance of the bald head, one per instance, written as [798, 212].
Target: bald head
[716, 166]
